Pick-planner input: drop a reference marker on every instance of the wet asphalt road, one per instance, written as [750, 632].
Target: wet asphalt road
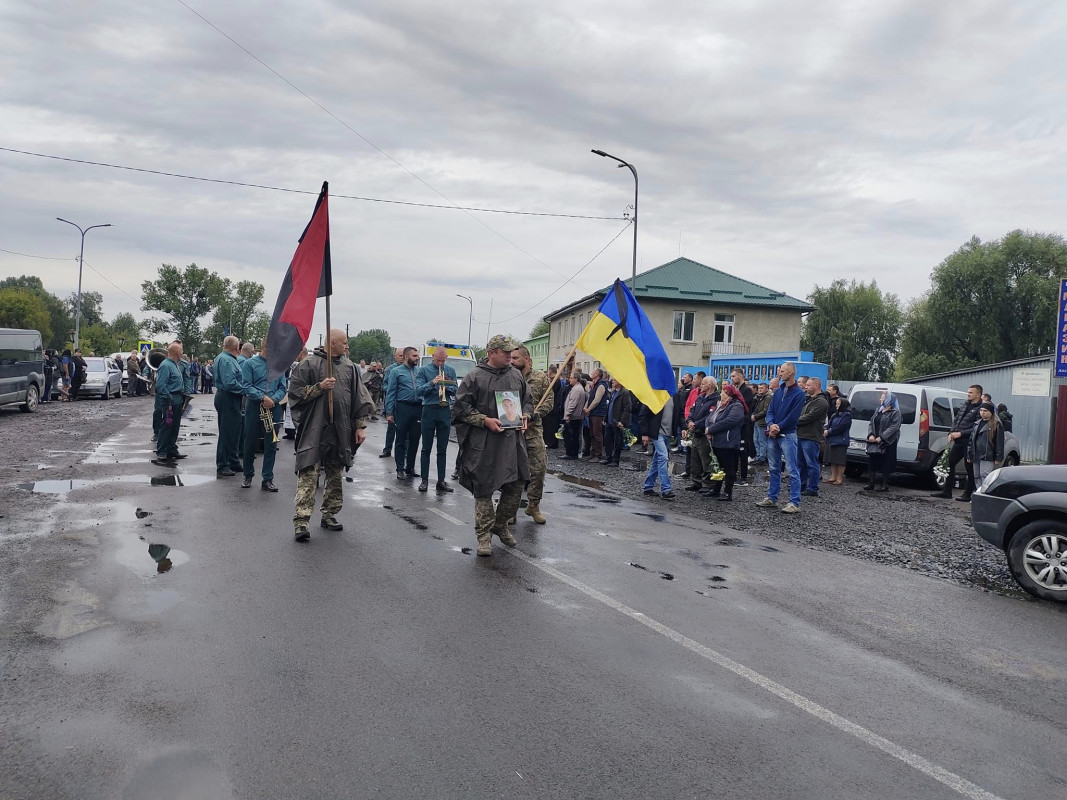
[623, 651]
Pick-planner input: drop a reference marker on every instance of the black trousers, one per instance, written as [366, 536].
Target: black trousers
[572, 436]
[727, 458]
[408, 418]
[612, 443]
[549, 426]
[955, 455]
[231, 423]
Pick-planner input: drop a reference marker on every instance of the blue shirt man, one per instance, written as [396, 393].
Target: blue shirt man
[390, 431]
[231, 388]
[254, 375]
[403, 407]
[782, 416]
[170, 386]
[435, 385]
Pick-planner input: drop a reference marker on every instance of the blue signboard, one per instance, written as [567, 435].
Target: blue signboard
[1061, 334]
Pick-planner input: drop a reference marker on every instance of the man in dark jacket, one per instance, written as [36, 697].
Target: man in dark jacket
[699, 444]
[960, 437]
[748, 444]
[782, 416]
[680, 398]
[492, 457]
[616, 422]
[810, 436]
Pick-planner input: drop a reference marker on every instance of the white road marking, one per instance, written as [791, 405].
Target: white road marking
[913, 760]
[449, 517]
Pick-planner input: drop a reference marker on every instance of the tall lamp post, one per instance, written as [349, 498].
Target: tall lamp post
[629, 166]
[470, 321]
[81, 257]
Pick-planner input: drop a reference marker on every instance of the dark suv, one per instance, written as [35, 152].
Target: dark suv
[1023, 511]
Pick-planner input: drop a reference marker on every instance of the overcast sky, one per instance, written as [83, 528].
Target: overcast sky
[786, 143]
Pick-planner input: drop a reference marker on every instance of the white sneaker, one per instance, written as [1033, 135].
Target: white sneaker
[766, 502]
[789, 508]
[741, 483]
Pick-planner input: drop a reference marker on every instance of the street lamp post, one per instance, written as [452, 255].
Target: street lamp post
[81, 258]
[470, 321]
[629, 166]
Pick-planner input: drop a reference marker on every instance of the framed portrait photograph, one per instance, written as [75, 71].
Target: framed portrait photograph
[508, 409]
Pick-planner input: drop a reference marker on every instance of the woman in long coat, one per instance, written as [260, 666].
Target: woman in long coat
[882, 435]
[723, 426]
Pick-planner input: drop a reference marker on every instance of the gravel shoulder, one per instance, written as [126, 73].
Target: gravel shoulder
[904, 527]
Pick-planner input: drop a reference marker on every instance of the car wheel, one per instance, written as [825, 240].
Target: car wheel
[1011, 460]
[32, 399]
[1037, 558]
[854, 470]
[107, 391]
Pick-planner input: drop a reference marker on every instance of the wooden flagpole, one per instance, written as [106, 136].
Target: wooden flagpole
[329, 359]
[557, 379]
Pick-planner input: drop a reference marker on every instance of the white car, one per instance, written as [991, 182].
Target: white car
[103, 378]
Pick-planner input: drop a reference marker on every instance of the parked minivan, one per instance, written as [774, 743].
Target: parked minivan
[21, 368]
[926, 415]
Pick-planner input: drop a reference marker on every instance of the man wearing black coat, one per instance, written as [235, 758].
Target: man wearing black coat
[960, 437]
[615, 423]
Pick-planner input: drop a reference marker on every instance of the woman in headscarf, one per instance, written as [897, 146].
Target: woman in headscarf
[882, 435]
[723, 427]
[986, 448]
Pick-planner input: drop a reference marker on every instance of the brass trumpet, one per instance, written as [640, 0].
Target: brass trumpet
[267, 418]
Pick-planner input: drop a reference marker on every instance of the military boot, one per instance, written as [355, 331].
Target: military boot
[534, 510]
[485, 546]
[506, 537]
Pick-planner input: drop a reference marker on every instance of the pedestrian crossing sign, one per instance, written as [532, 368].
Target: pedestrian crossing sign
[144, 347]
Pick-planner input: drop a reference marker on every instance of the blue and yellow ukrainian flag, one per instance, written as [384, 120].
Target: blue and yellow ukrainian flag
[623, 340]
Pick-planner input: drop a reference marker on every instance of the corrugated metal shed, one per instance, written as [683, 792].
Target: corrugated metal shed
[1031, 416]
[685, 279]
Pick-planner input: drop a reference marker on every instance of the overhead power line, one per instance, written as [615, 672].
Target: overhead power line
[297, 191]
[45, 258]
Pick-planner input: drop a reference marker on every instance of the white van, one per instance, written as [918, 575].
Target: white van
[926, 419]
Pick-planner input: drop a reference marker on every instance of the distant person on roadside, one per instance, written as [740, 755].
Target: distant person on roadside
[550, 423]
[810, 428]
[80, 373]
[759, 422]
[596, 409]
[987, 398]
[698, 381]
[748, 444]
[685, 386]
[724, 427]
[802, 381]
[573, 416]
[656, 430]
[882, 435]
[49, 374]
[782, 415]
[170, 388]
[986, 449]
[1004, 416]
[699, 443]
[616, 423]
[195, 368]
[837, 441]
[960, 437]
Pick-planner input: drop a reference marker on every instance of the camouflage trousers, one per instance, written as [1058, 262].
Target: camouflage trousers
[307, 481]
[488, 519]
[537, 455]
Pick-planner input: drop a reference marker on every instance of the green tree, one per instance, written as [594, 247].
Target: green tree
[185, 296]
[372, 345]
[62, 322]
[22, 308]
[855, 328]
[125, 326]
[988, 302]
[540, 329]
[92, 307]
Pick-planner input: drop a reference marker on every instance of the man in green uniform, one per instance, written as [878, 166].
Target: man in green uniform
[168, 408]
[322, 442]
[492, 457]
[261, 394]
[537, 382]
[231, 389]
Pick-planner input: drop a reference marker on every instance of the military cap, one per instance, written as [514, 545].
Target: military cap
[501, 342]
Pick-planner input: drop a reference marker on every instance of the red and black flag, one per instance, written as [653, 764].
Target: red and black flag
[309, 278]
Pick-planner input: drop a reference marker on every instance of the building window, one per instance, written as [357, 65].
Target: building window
[683, 326]
[724, 330]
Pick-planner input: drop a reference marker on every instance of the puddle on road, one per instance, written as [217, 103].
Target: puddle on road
[664, 575]
[730, 541]
[62, 487]
[589, 482]
[156, 558]
[141, 513]
[599, 498]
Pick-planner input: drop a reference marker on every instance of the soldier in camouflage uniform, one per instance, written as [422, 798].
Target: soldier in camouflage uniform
[322, 443]
[538, 384]
[492, 457]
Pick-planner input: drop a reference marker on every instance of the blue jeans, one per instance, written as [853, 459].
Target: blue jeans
[784, 444]
[810, 468]
[761, 443]
[659, 465]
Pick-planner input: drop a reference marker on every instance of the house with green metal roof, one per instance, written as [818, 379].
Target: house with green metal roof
[698, 311]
